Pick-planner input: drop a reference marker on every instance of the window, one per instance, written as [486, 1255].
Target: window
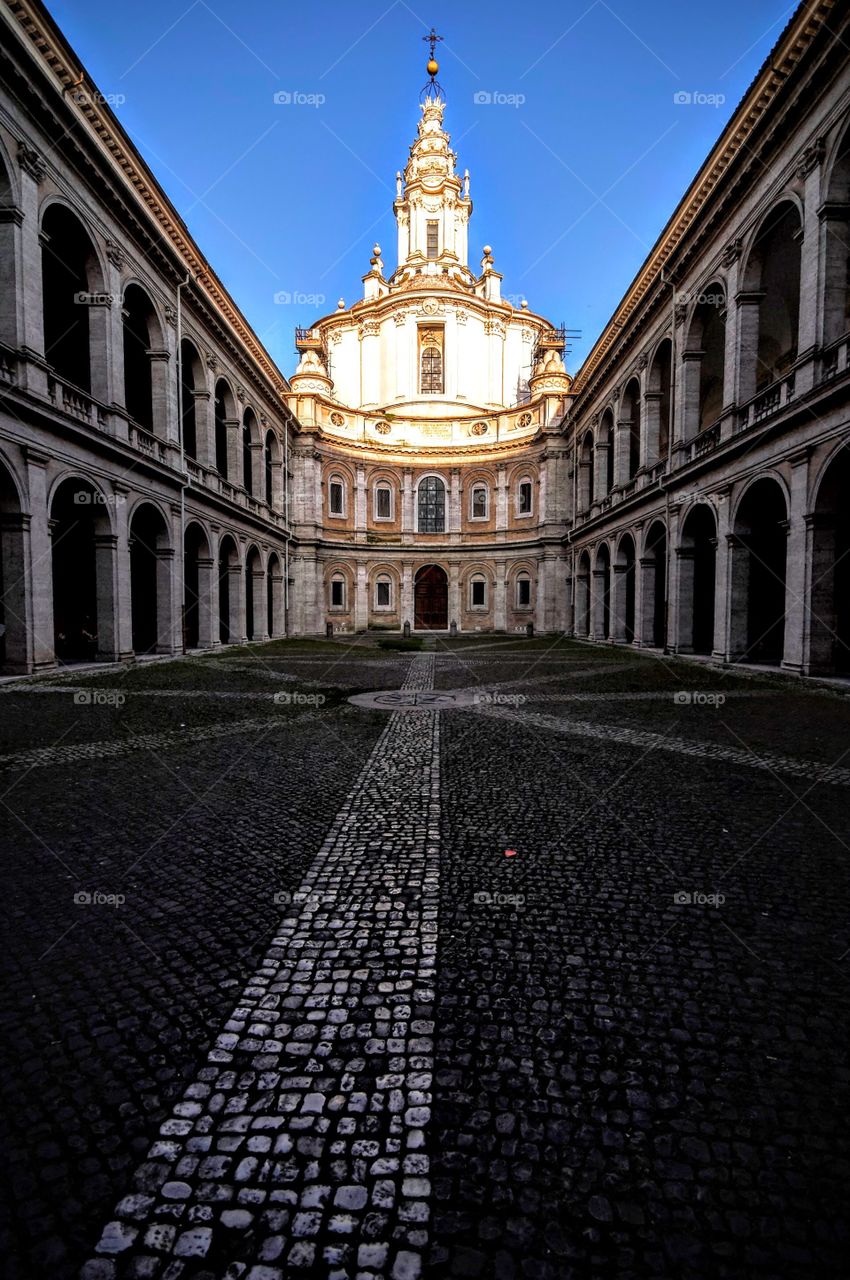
[478, 506]
[430, 361]
[431, 505]
[524, 498]
[338, 592]
[336, 496]
[523, 592]
[432, 241]
[478, 593]
[383, 593]
[383, 502]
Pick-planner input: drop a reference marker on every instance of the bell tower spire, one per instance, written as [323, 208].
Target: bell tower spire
[432, 205]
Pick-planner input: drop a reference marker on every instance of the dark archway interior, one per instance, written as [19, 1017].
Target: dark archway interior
[75, 517]
[627, 558]
[761, 525]
[657, 548]
[138, 389]
[431, 599]
[146, 532]
[700, 536]
[65, 260]
[830, 592]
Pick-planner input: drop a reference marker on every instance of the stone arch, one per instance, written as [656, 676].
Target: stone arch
[704, 360]
[256, 596]
[75, 304]
[769, 307]
[431, 598]
[200, 617]
[252, 478]
[658, 402]
[653, 566]
[275, 596]
[231, 596]
[192, 385]
[582, 609]
[226, 420]
[836, 240]
[83, 562]
[697, 564]
[586, 467]
[9, 218]
[431, 503]
[757, 572]
[272, 466]
[829, 597]
[629, 432]
[144, 386]
[151, 574]
[623, 590]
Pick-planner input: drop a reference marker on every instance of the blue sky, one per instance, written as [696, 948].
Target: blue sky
[572, 177]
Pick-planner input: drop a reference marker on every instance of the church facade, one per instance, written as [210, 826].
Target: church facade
[430, 461]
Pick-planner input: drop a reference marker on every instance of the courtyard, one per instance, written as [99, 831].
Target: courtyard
[535, 967]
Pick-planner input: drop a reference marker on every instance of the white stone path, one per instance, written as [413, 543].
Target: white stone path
[300, 1147]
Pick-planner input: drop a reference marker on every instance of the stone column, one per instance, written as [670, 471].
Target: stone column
[796, 584]
[645, 603]
[38, 553]
[120, 576]
[501, 498]
[407, 514]
[15, 576]
[720, 649]
[407, 593]
[169, 637]
[361, 599]
[651, 433]
[618, 603]
[622, 451]
[690, 371]
[31, 315]
[278, 618]
[260, 610]
[682, 597]
[204, 429]
[749, 304]
[108, 640]
[360, 500]
[454, 594]
[158, 360]
[738, 553]
[234, 451]
[453, 523]
[500, 620]
[599, 487]
[236, 594]
[597, 611]
[209, 636]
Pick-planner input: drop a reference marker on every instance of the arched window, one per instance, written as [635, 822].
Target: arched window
[337, 591]
[587, 462]
[136, 317]
[704, 361]
[431, 505]
[73, 301]
[383, 591]
[269, 452]
[523, 591]
[224, 411]
[249, 434]
[383, 500]
[191, 380]
[336, 496]
[479, 502]
[770, 324]
[431, 361]
[478, 591]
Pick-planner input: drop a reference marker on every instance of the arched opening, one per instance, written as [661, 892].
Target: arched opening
[582, 623]
[229, 573]
[150, 581]
[14, 651]
[602, 594]
[658, 404]
[256, 603]
[606, 446]
[431, 505]
[758, 574]
[697, 557]
[836, 215]
[197, 589]
[585, 472]
[829, 605]
[74, 303]
[224, 412]
[623, 620]
[191, 382]
[137, 317]
[630, 431]
[275, 621]
[704, 362]
[271, 468]
[654, 583]
[771, 313]
[83, 554]
[431, 599]
[250, 437]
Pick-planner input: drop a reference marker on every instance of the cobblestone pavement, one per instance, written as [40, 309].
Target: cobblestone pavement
[552, 987]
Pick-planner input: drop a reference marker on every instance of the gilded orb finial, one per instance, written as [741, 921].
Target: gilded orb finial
[432, 88]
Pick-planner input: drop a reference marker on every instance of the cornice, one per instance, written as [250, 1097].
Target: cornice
[49, 47]
[802, 30]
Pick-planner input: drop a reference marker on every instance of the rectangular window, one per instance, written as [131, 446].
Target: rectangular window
[525, 498]
[479, 503]
[383, 595]
[338, 593]
[478, 592]
[383, 503]
[336, 498]
[523, 592]
[432, 244]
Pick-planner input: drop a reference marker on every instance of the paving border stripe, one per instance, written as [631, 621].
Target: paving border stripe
[300, 1146]
[810, 770]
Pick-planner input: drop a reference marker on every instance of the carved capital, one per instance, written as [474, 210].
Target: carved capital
[31, 161]
[810, 159]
